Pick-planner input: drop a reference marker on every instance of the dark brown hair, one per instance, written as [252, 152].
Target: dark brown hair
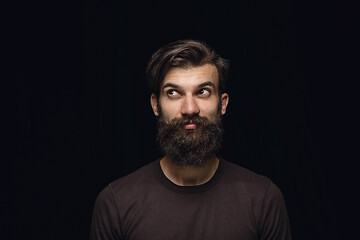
[184, 54]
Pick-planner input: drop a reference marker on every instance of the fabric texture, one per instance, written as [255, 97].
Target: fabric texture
[235, 204]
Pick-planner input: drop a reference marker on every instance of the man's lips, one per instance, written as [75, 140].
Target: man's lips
[190, 126]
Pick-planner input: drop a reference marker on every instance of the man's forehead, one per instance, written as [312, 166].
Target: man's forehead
[192, 75]
[198, 73]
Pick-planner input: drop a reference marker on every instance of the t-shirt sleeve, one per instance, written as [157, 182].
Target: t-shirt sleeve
[274, 222]
[105, 223]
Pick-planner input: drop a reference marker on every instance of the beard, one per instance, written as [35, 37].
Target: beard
[190, 147]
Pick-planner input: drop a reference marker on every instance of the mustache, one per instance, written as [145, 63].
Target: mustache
[182, 121]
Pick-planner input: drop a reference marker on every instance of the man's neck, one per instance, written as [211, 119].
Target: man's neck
[189, 176]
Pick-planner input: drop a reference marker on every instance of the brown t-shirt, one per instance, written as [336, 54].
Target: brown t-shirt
[235, 204]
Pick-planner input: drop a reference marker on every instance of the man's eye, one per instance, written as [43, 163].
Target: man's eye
[204, 92]
[173, 93]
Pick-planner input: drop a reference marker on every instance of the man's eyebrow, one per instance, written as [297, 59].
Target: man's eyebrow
[208, 83]
[171, 85]
[204, 84]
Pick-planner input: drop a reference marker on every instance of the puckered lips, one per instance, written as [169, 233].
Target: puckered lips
[190, 125]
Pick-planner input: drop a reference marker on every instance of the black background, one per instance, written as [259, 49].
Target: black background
[81, 118]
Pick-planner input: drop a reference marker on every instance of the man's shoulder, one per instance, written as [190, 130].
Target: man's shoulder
[241, 172]
[121, 193]
[234, 174]
[146, 175]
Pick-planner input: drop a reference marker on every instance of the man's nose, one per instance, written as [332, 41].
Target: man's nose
[189, 106]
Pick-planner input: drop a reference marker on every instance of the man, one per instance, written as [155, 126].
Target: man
[190, 193]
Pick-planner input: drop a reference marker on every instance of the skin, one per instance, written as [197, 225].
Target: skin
[188, 92]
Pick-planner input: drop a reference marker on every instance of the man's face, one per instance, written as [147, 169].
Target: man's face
[189, 92]
[189, 130]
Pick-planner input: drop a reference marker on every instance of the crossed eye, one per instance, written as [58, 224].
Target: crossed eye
[204, 92]
[173, 92]
[201, 92]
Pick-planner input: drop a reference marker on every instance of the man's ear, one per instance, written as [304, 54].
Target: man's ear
[224, 102]
[154, 104]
